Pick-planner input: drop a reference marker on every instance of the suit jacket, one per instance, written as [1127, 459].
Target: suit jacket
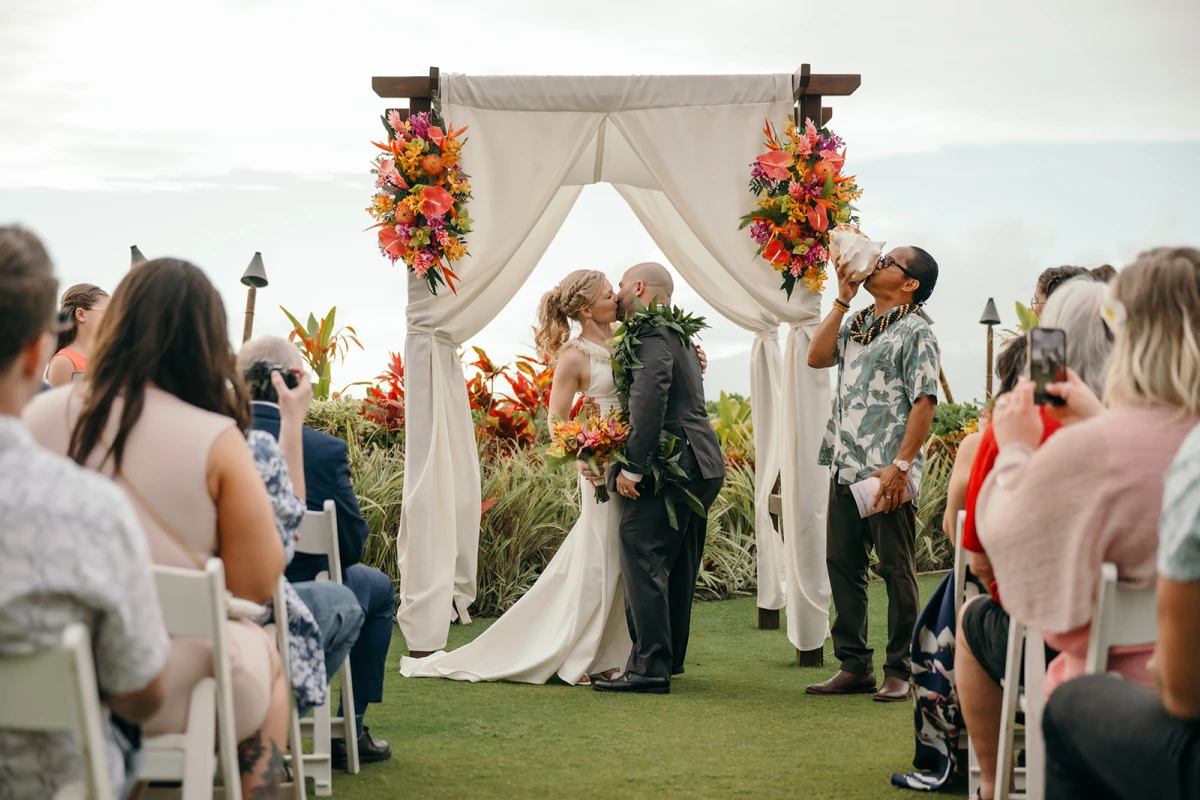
[326, 477]
[668, 394]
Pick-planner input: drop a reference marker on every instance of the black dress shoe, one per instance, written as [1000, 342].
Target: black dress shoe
[634, 684]
[845, 683]
[369, 750]
[677, 670]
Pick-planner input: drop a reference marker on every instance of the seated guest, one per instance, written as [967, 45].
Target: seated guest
[1117, 739]
[82, 310]
[938, 717]
[324, 618]
[162, 412]
[62, 562]
[982, 638]
[327, 477]
[1092, 493]
[1055, 277]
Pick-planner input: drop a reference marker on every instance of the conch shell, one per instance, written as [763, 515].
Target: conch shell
[850, 247]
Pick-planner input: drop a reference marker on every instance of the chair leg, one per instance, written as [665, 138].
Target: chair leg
[349, 730]
[1008, 713]
[199, 762]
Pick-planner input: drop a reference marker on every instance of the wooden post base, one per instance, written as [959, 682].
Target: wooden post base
[810, 658]
[768, 619]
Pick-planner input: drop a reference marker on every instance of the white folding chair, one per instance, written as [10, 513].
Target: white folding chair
[960, 593]
[54, 690]
[1028, 782]
[281, 643]
[194, 605]
[1123, 617]
[318, 536]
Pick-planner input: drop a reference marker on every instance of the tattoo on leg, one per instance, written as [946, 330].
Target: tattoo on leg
[249, 752]
[273, 775]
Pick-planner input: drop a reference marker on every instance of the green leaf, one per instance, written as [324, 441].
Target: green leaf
[327, 333]
[295, 322]
[313, 327]
[1026, 318]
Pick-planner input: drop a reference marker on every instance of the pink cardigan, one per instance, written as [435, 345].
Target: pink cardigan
[1092, 493]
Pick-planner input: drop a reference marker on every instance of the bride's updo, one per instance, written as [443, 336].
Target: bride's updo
[562, 304]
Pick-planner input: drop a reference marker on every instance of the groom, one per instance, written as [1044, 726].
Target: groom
[659, 564]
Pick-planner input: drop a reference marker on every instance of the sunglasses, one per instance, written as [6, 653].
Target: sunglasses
[888, 261]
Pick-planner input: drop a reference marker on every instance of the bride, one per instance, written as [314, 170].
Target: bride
[571, 623]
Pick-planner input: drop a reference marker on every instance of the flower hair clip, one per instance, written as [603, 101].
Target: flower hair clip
[1113, 311]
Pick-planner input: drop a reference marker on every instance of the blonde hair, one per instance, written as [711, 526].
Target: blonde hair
[1156, 358]
[562, 304]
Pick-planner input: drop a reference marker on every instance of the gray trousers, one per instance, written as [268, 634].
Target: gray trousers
[659, 566]
[848, 542]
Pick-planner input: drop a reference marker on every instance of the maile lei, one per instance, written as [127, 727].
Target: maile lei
[667, 476]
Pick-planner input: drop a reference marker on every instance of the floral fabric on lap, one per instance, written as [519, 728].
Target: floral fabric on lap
[305, 647]
[877, 386]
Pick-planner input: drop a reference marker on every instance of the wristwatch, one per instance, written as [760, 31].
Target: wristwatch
[901, 465]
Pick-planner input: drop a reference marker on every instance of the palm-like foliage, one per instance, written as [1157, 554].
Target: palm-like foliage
[320, 344]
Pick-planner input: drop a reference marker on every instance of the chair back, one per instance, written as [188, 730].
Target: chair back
[960, 564]
[194, 604]
[318, 536]
[54, 690]
[1123, 617]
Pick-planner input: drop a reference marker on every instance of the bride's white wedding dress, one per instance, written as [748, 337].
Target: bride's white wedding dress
[571, 623]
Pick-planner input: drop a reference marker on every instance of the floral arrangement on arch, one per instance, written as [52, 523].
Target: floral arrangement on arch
[802, 196]
[420, 196]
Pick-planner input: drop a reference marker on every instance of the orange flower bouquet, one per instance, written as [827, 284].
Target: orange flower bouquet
[802, 197]
[594, 438]
[420, 196]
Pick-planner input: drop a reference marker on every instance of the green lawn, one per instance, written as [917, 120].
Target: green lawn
[737, 725]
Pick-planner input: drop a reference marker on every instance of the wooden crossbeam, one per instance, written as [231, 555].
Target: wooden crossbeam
[833, 85]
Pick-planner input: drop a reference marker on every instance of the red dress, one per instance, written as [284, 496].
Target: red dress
[985, 459]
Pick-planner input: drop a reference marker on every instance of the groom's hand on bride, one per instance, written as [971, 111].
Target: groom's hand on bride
[703, 359]
[626, 487]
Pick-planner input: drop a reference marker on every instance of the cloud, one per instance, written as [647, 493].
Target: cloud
[226, 86]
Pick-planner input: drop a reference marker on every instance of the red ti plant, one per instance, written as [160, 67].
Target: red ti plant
[384, 404]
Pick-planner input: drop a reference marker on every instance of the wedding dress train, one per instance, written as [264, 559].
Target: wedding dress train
[571, 623]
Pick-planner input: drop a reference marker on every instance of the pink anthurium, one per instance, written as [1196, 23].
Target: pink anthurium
[775, 164]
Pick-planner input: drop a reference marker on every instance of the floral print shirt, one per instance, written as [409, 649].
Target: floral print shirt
[71, 550]
[878, 384]
[305, 648]
[1179, 525]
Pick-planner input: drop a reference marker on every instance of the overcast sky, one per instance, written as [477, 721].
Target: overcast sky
[1004, 139]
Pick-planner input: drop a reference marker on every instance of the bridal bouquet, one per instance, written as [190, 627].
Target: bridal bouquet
[593, 438]
[420, 196]
[802, 196]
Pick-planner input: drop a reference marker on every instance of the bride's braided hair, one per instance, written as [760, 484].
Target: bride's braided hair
[562, 304]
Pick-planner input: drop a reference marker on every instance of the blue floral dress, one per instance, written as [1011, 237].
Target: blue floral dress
[306, 650]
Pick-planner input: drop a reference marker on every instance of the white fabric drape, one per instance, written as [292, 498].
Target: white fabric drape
[678, 149]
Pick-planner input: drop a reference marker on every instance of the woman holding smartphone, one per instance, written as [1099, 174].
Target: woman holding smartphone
[1093, 492]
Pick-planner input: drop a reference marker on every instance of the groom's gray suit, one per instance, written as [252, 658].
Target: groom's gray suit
[659, 564]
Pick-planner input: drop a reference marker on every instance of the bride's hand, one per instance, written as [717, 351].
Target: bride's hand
[586, 471]
[703, 359]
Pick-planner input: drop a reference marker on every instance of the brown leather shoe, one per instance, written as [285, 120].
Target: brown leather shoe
[893, 690]
[844, 683]
[420, 653]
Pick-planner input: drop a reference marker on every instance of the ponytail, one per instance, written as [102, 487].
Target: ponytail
[81, 295]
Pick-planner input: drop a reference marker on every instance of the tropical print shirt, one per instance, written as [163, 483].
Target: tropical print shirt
[1179, 525]
[877, 386]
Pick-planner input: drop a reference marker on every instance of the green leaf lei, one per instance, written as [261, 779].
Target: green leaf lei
[665, 472]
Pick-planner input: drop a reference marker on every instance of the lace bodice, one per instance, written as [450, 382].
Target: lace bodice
[601, 385]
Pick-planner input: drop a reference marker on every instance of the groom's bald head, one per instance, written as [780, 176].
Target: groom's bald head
[647, 281]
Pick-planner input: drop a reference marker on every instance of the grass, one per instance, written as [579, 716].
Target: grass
[737, 725]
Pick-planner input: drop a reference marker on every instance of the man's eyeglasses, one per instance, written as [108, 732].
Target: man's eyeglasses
[888, 261]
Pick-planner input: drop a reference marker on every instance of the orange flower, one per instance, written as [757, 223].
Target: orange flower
[432, 164]
[775, 164]
[405, 214]
[437, 201]
[776, 253]
[790, 230]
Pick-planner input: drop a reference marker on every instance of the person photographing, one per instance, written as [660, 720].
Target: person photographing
[887, 358]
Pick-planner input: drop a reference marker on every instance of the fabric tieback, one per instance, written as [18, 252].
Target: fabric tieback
[879, 325]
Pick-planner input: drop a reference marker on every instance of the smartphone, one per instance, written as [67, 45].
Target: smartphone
[1047, 362]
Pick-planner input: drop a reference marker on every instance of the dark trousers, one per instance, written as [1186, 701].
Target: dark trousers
[368, 657]
[848, 542]
[659, 566]
[1110, 739]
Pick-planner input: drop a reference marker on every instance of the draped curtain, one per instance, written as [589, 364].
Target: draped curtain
[678, 149]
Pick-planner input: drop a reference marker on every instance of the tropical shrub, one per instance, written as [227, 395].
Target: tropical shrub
[319, 345]
[731, 419]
